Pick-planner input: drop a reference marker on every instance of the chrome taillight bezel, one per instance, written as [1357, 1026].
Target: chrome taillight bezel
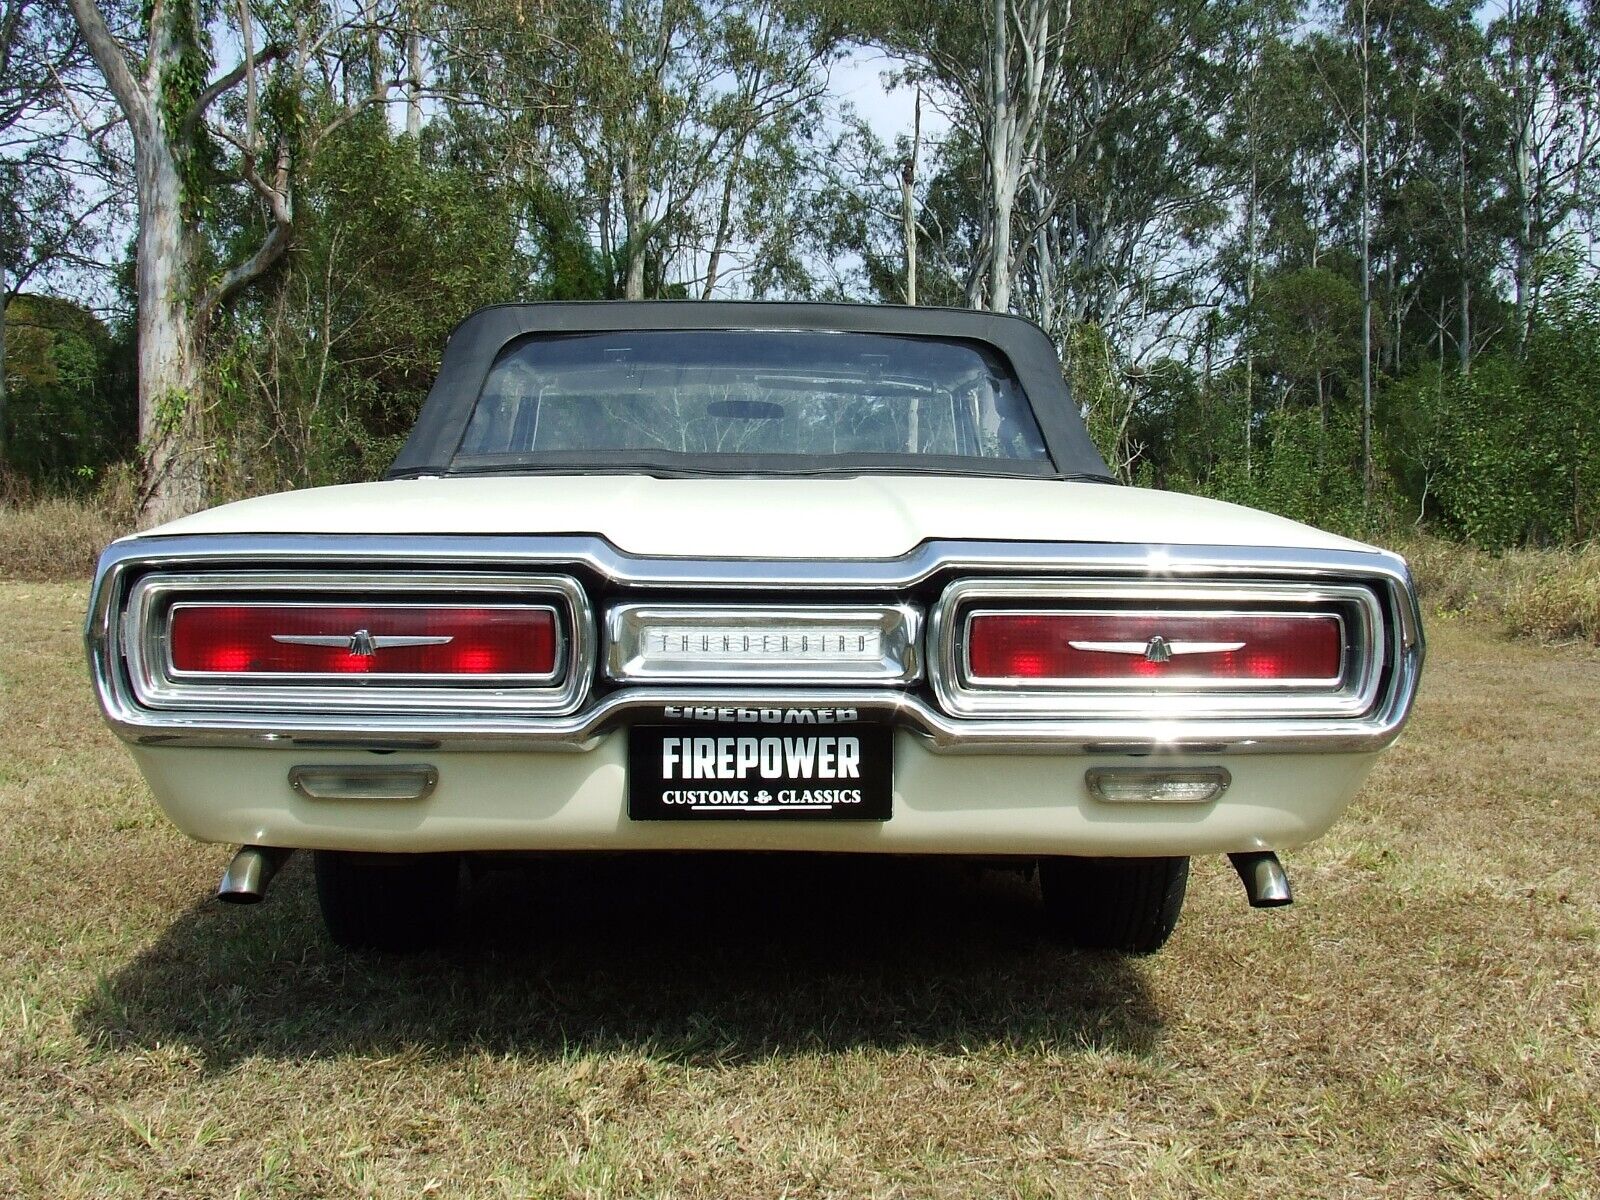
[1175, 682]
[1351, 694]
[157, 685]
[345, 679]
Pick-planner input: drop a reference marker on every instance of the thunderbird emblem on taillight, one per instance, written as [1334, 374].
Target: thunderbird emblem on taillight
[360, 643]
[1158, 649]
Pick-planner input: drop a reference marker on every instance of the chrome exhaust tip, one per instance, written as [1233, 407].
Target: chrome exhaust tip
[249, 872]
[1265, 881]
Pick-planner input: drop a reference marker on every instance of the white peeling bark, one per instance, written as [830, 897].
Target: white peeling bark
[1002, 168]
[169, 358]
[908, 205]
[413, 80]
[174, 307]
[635, 200]
[1022, 79]
[169, 350]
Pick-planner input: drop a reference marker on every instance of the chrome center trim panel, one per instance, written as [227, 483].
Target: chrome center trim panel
[513, 730]
[898, 626]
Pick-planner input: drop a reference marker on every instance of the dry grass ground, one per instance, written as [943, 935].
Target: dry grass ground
[53, 539]
[1549, 594]
[1425, 1021]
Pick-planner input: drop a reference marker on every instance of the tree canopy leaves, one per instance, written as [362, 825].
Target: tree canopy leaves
[1248, 225]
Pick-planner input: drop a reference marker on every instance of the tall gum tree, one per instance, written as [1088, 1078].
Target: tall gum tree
[1022, 79]
[685, 111]
[1546, 62]
[158, 70]
[1001, 67]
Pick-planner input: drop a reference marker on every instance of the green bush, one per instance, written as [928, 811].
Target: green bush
[1508, 454]
[319, 376]
[70, 411]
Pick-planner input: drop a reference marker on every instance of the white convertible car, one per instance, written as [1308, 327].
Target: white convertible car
[751, 577]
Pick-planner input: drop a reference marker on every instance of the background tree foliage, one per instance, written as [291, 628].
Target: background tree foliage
[1336, 260]
[70, 404]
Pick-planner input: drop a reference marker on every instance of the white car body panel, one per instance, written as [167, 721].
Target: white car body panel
[576, 801]
[942, 805]
[864, 517]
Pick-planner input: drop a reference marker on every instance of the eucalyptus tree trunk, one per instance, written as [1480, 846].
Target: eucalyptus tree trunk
[1367, 480]
[1522, 265]
[5, 296]
[1022, 79]
[164, 104]
[1464, 243]
[1002, 170]
[375, 65]
[635, 198]
[1047, 257]
[908, 202]
[169, 340]
[413, 79]
[1523, 102]
[169, 364]
[724, 230]
[1252, 203]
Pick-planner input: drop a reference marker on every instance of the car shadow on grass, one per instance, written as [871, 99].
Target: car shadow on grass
[684, 957]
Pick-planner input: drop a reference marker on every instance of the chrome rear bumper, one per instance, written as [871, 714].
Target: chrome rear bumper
[596, 559]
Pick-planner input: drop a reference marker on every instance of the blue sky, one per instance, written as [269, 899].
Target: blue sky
[858, 79]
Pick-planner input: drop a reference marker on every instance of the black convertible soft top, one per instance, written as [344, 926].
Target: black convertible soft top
[477, 342]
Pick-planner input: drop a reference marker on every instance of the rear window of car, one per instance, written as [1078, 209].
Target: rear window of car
[811, 396]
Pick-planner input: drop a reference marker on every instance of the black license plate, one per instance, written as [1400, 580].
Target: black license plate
[694, 772]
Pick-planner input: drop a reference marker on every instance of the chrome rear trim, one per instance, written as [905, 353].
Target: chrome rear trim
[581, 731]
[1350, 695]
[156, 685]
[898, 628]
[738, 574]
[506, 730]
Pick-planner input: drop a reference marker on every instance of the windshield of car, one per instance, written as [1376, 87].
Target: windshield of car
[749, 396]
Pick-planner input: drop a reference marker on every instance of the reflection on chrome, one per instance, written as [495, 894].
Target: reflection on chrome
[1367, 718]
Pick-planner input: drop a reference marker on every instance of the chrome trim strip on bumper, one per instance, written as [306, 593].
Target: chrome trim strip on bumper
[507, 731]
[581, 731]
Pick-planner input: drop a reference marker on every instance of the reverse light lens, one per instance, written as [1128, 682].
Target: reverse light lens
[364, 782]
[1199, 647]
[1135, 785]
[373, 640]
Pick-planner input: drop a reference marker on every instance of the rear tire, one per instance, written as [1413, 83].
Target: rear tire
[1125, 904]
[395, 902]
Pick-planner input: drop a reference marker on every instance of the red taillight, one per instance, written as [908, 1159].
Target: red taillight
[1054, 647]
[290, 639]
